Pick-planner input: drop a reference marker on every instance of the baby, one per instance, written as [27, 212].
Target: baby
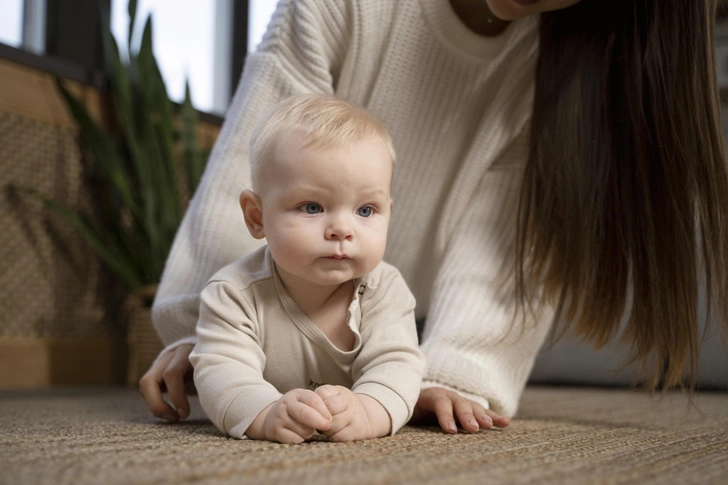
[312, 332]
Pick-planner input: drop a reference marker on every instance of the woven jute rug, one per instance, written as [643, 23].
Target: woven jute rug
[561, 435]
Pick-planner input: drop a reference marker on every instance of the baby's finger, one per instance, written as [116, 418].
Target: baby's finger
[464, 413]
[336, 404]
[287, 436]
[314, 401]
[308, 416]
[326, 391]
[442, 406]
[338, 423]
[300, 430]
[344, 435]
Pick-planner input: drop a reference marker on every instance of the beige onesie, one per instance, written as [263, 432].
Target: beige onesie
[255, 344]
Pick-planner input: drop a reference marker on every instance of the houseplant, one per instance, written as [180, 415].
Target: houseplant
[142, 172]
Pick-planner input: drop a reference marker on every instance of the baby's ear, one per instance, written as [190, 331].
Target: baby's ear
[253, 212]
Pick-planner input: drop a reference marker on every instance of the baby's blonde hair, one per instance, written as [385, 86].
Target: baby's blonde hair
[324, 121]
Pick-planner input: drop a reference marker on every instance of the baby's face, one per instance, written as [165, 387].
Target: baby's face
[326, 212]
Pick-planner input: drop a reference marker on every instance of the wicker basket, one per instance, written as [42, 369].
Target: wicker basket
[144, 345]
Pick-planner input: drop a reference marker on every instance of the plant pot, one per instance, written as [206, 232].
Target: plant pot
[143, 343]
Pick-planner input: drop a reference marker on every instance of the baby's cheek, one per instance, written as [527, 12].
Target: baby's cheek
[286, 246]
[375, 251]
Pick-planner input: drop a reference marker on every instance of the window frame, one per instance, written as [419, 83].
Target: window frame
[74, 50]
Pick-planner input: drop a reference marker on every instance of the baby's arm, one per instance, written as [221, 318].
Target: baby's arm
[354, 416]
[388, 370]
[229, 360]
[292, 419]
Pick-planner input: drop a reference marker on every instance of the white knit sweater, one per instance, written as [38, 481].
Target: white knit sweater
[458, 107]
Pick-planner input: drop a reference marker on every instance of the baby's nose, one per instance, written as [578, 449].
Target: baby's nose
[339, 229]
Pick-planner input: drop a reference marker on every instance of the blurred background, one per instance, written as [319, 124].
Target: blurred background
[67, 317]
[79, 259]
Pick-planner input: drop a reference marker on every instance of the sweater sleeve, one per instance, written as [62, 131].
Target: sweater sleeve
[229, 361]
[471, 341]
[390, 365]
[300, 53]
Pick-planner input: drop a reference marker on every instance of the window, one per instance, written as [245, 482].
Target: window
[204, 42]
[11, 22]
[191, 42]
[260, 12]
[22, 24]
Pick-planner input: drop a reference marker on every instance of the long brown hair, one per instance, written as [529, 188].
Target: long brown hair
[625, 193]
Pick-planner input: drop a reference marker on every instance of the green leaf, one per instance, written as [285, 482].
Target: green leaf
[193, 159]
[133, 118]
[139, 178]
[157, 137]
[132, 10]
[105, 154]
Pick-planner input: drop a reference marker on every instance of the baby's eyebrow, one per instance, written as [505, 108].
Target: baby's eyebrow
[374, 193]
[310, 189]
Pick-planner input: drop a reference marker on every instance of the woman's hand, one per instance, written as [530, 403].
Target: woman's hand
[448, 407]
[170, 372]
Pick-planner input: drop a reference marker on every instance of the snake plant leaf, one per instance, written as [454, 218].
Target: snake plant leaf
[125, 103]
[159, 101]
[103, 149]
[91, 234]
[123, 233]
[132, 11]
[139, 199]
[191, 154]
[157, 137]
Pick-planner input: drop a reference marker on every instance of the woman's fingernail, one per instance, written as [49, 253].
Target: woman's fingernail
[451, 426]
[488, 420]
[473, 423]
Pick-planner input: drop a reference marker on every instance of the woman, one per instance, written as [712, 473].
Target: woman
[555, 157]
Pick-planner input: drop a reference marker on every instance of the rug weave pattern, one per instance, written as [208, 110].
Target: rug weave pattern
[562, 435]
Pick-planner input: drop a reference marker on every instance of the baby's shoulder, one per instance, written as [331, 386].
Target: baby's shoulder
[384, 278]
[253, 268]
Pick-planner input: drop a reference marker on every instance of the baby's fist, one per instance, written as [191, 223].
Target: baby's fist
[295, 417]
[349, 418]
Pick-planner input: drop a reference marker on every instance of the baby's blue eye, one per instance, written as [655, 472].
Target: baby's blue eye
[311, 208]
[365, 211]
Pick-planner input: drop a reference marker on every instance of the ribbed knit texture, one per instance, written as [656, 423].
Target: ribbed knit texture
[458, 107]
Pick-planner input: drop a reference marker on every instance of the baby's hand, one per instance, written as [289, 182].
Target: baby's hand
[295, 417]
[350, 421]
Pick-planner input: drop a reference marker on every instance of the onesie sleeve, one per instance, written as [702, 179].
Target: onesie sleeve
[472, 344]
[229, 360]
[390, 365]
[301, 52]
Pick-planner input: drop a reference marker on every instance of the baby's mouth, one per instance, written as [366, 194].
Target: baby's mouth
[338, 256]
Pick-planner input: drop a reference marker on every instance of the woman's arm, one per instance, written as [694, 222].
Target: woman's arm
[471, 344]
